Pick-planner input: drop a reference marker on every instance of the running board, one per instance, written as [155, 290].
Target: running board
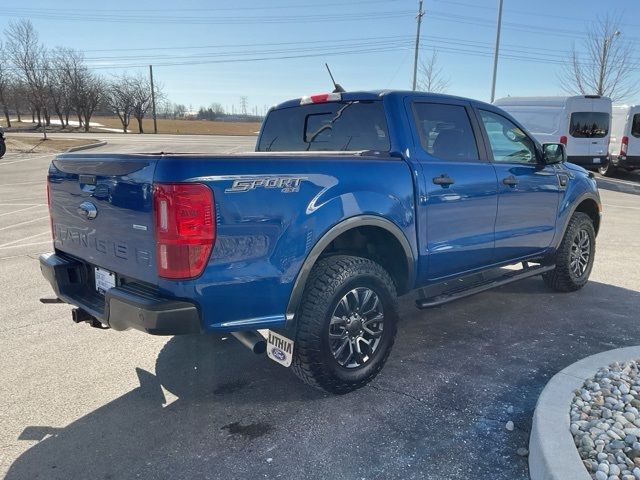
[466, 290]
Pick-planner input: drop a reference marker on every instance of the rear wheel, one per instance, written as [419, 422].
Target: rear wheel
[3, 148]
[346, 324]
[607, 169]
[574, 258]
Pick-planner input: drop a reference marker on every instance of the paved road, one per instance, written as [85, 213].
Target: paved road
[76, 402]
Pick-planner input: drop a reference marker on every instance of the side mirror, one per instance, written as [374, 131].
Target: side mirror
[553, 153]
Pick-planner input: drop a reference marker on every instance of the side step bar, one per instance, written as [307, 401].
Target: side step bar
[472, 288]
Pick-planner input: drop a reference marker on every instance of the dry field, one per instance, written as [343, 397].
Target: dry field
[185, 127]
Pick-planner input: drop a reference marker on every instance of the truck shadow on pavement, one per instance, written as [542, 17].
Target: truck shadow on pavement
[456, 375]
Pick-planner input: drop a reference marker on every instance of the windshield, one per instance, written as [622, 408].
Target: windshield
[332, 126]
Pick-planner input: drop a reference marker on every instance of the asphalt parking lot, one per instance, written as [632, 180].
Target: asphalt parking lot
[77, 402]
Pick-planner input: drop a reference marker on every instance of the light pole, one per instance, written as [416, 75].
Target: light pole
[495, 53]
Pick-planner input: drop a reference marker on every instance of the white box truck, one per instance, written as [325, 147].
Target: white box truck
[581, 123]
[624, 147]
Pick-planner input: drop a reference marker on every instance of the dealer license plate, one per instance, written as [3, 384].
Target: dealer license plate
[279, 348]
[104, 280]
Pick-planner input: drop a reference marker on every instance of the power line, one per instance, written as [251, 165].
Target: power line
[233, 45]
[529, 13]
[202, 20]
[344, 4]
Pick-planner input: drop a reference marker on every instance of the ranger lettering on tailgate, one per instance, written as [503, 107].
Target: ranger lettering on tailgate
[108, 247]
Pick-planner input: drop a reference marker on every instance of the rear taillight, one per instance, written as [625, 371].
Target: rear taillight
[563, 140]
[53, 236]
[185, 227]
[624, 144]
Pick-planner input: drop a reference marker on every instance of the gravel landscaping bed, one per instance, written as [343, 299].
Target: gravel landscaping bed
[605, 422]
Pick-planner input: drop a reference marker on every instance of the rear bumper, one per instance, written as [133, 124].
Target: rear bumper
[122, 307]
[627, 161]
[588, 160]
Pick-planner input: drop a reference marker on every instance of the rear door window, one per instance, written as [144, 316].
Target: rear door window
[331, 126]
[635, 126]
[445, 131]
[589, 124]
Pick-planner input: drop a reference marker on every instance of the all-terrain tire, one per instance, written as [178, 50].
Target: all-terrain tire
[563, 278]
[329, 281]
[607, 170]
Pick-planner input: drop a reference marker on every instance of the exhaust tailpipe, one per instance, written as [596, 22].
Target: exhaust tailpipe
[252, 340]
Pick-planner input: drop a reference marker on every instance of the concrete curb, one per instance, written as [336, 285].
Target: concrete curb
[87, 147]
[552, 453]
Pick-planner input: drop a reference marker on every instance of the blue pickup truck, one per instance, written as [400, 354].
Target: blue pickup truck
[302, 247]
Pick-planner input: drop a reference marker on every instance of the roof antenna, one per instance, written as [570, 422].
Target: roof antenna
[338, 88]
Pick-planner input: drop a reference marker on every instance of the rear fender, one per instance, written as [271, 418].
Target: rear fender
[333, 233]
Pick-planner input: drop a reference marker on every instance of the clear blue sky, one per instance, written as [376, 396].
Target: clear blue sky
[208, 51]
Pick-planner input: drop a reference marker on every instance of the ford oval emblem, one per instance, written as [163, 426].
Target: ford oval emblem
[88, 210]
[279, 354]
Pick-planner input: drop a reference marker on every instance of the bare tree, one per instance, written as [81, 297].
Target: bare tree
[84, 89]
[608, 67]
[70, 69]
[141, 87]
[88, 96]
[431, 78]
[64, 61]
[28, 56]
[6, 82]
[18, 97]
[120, 98]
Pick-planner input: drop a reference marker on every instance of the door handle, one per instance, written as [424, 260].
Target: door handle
[443, 180]
[510, 181]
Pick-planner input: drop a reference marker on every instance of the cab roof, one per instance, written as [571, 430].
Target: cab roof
[378, 94]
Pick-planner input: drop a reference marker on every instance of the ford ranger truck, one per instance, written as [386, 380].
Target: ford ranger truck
[303, 246]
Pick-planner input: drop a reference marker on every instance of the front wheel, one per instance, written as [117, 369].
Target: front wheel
[574, 258]
[346, 324]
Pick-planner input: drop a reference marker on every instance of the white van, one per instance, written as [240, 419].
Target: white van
[580, 122]
[624, 148]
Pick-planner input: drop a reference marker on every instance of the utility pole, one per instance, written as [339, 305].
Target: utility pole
[415, 57]
[495, 54]
[153, 100]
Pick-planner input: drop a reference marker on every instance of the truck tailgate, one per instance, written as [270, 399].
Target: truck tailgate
[102, 211]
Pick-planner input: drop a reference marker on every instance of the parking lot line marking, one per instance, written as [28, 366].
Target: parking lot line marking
[23, 209]
[620, 206]
[26, 245]
[13, 242]
[24, 223]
